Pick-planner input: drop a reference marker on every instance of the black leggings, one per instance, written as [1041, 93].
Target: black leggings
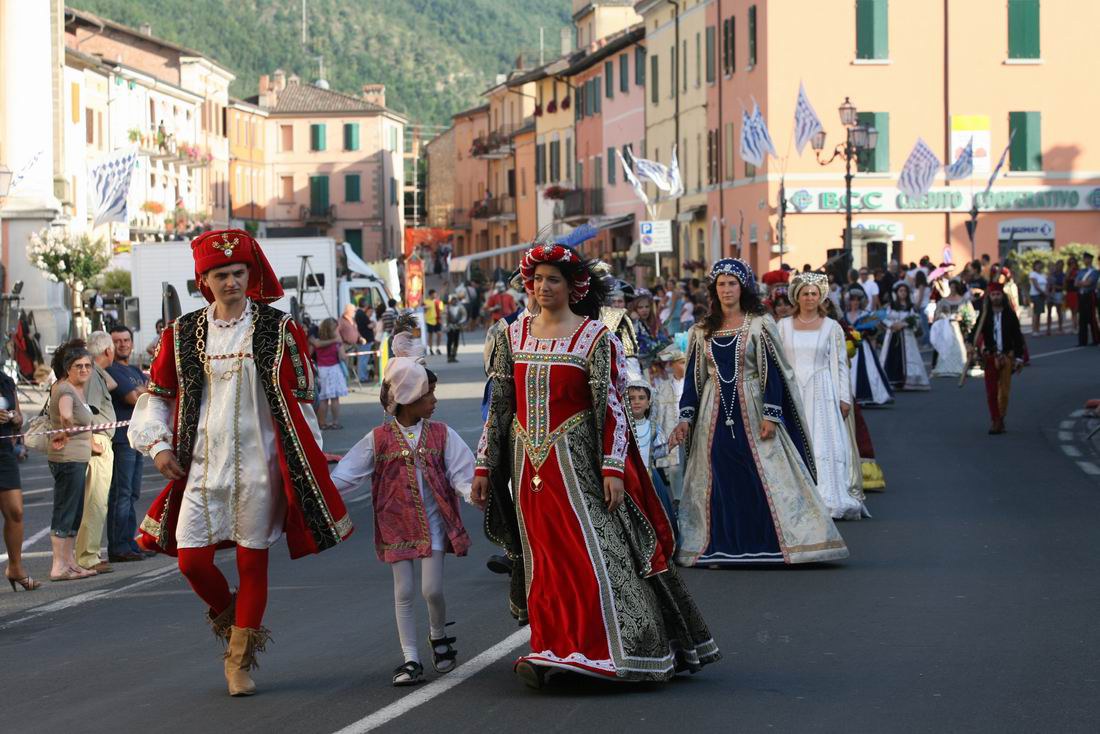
[453, 335]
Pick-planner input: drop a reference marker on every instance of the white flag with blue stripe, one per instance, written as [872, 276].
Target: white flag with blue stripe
[677, 189]
[963, 167]
[664, 178]
[111, 184]
[628, 172]
[762, 133]
[750, 146]
[919, 171]
[806, 122]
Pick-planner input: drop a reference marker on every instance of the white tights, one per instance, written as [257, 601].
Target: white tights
[431, 587]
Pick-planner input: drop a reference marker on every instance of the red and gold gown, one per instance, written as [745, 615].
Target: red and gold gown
[598, 588]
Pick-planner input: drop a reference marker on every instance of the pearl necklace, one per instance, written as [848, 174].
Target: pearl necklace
[804, 321]
[735, 342]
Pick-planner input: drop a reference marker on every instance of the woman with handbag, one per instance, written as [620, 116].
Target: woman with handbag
[11, 494]
[69, 455]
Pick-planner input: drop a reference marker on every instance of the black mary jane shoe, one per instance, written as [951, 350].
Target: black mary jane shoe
[533, 675]
[443, 654]
[499, 564]
[408, 674]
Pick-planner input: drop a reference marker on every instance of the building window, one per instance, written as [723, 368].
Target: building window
[684, 62]
[393, 192]
[752, 36]
[639, 66]
[1023, 29]
[729, 45]
[710, 54]
[540, 163]
[318, 194]
[555, 161]
[351, 136]
[354, 237]
[877, 160]
[286, 138]
[610, 166]
[730, 172]
[872, 40]
[568, 157]
[89, 127]
[287, 185]
[1026, 153]
[523, 182]
[580, 174]
[653, 77]
[317, 137]
[609, 79]
[698, 59]
[351, 187]
[597, 173]
[596, 95]
[624, 73]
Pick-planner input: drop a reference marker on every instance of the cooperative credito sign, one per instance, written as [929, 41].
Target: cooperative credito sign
[955, 199]
[655, 236]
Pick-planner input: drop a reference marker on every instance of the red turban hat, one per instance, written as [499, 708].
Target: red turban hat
[995, 287]
[231, 247]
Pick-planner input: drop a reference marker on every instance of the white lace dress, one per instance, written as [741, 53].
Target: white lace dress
[820, 364]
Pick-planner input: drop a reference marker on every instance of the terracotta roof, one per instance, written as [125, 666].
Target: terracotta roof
[472, 111]
[297, 98]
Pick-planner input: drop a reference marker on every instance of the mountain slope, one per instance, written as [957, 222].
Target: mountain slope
[434, 56]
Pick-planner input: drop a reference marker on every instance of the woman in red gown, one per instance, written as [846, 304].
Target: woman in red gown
[590, 539]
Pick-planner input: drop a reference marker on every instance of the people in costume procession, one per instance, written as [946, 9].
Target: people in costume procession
[776, 298]
[651, 334]
[871, 476]
[668, 372]
[870, 385]
[900, 355]
[228, 419]
[1085, 285]
[417, 468]
[749, 484]
[617, 318]
[953, 319]
[816, 348]
[999, 342]
[651, 441]
[593, 544]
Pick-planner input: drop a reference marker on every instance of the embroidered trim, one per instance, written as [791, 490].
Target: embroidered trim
[550, 358]
[160, 391]
[772, 412]
[687, 414]
[538, 450]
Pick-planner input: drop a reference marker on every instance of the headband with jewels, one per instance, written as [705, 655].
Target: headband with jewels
[218, 248]
[735, 267]
[553, 254]
[800, 281]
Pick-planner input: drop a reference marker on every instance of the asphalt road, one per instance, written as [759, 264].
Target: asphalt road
[968, 604]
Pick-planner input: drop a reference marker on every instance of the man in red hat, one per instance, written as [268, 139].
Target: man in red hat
[229, 420]
[1000, 342]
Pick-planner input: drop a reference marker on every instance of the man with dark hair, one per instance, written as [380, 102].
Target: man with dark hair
[366, 339]
[126, 479]
[389, 316]
[1001, 348]
[1086, 282]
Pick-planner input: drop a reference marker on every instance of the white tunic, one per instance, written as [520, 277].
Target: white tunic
[458, 461]
[234, 486]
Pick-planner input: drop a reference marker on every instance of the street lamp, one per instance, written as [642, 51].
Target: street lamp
[858, 139]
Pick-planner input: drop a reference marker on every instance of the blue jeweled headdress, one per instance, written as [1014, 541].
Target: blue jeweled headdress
[735, 267]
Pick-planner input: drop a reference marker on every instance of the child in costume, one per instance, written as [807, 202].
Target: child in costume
[651, 442]
[409, 447]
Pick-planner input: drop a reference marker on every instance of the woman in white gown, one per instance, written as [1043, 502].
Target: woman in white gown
[901, 357]
[954, 317]
[869, 384]
[815, 346]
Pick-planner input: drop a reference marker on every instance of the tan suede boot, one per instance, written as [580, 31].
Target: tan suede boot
[220, 623]
[240, 658]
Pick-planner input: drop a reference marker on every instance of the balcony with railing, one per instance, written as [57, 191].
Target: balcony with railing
[496, 209]
[318, 215]
[580, 204]
[496, 144]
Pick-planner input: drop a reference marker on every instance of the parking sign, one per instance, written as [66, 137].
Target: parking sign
[655, 236]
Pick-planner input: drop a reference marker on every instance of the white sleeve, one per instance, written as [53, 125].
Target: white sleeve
[459, 460]
[844, 384]
[356, 466]
[149, 432]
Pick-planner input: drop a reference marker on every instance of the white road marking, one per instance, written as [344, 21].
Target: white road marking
[1080, 413]
[1067, 425]
[439, 686]
[1070, 450]
[69, 602]
[1089, 467]
[1051, 354]
[1065, 435]
[29, 541]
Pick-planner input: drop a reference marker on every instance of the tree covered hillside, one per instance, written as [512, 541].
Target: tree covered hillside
[434, 56]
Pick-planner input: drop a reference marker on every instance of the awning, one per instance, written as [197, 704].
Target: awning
[356, 264]
[690, 213]
[460, 264]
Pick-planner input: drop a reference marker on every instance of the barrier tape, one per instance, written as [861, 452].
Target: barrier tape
[74, 429]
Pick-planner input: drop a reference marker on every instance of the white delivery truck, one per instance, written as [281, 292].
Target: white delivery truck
[156, 263]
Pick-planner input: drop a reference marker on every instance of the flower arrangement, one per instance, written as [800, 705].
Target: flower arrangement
[552, 107]
[565, 103]
[72, 260]
[134, 134]
[538, 110]
[153, 207]
[479, 210]
[554, 193]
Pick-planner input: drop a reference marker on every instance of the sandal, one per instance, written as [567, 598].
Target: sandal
[336, 426]
[408, 674]
[26, 582]
[443, 653]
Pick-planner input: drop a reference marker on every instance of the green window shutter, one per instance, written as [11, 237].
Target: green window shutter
[653, 77]
[351, 136]
[752, 35]
[877, 160]
[611, 162]
[1023, 29]
[710, 54]
[733, 45]
[639, 66]
[609, 79]
[318, 194]
[317, 137]
[351, 187]
[1026, 153]
[872, 30]
[624, 73]
[596, 95]
[354, 237]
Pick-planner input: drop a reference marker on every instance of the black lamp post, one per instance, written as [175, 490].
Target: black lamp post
[858, 138]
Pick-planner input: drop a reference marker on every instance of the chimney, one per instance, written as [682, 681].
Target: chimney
[265, 82]
[278, 82]
[566, 41]
[375, 94]
[293, 79]
[146, 29]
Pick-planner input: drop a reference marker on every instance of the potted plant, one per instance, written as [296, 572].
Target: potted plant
[552, 107]
[554, 192]
[134, 134]
[565, 103]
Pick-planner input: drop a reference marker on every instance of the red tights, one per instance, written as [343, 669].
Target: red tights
[197, 564]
